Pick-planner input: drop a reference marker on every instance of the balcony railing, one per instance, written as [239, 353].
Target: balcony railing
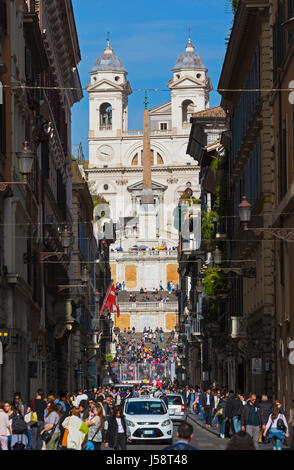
[143, 254]
[148, 306]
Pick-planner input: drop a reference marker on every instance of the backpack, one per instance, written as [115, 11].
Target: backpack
[18, 424]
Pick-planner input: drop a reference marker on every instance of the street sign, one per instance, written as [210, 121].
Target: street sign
[256, 365]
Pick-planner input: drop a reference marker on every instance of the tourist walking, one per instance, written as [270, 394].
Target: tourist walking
[241, 441]
[38, 405]
[219, 413]
[207, 404]
[19, 438]
[5, 428]
[97, 425]
[73, 437]
[251, 419]
[233, 411]
[277, 428]
[118, 432]
[9, 411]
[51, 427]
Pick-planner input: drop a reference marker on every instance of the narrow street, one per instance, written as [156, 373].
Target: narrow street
[202, 440]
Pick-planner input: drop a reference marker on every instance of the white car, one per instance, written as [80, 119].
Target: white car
[148, 418]
[176, 407]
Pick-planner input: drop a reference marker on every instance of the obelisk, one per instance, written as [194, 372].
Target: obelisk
[147, 194]
[147, 213]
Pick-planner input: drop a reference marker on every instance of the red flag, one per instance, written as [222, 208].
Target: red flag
[104, 302]
[109, 301]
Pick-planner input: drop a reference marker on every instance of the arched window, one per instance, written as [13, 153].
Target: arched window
[152, 157]
[187, 110]
[135, 160]
[159, 159]
[155, 158]
[105, 116]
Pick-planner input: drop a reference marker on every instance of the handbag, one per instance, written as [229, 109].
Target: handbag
[65, 435]
[219, 413]
[281, 425]
[31, 418]
[46, 436]
[84, 428]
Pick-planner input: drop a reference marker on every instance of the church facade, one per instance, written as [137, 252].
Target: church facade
[115, 169]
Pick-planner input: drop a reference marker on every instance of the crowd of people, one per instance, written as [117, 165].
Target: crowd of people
[233, 413]
[145, 349]
[75, 422]
[91, 417]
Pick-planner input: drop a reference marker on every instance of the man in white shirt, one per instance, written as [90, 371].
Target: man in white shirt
[81, 396]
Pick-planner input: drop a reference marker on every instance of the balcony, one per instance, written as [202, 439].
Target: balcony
[238, 327]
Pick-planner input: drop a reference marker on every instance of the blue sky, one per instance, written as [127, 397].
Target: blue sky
[148, 37]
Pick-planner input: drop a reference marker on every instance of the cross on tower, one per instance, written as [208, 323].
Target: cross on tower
[189, 29]
[108, 37]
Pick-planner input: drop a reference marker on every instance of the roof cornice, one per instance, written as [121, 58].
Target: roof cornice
[248, 14]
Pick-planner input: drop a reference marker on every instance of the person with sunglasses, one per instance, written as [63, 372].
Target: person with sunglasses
[251, 419]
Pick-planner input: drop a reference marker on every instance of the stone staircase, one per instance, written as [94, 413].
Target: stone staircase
[137, 337]
[123, 296]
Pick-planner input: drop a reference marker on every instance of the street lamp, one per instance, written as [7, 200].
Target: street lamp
[217, 256]
[85, 274]
[25, 160]
[66, 237]
[199, 287]
[244, 209]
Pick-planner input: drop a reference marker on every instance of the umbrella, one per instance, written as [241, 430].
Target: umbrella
[160, 248]
[119, 248]
[143, 247]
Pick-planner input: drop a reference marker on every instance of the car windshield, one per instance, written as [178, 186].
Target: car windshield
[174, 400]
[145, 408]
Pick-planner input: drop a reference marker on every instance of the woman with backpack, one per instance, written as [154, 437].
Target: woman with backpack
[51, 426]
[97, 424]
[277, 427]
[19, 438]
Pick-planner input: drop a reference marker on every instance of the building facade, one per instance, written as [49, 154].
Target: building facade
[282, 21]
[115, 167]
[40, 51]
[251, 163]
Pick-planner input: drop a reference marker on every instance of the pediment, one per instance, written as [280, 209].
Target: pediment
[104, 85]
[161, 109]
[139, 186]
[187, 82]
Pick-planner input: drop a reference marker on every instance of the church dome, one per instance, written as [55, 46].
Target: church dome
[189, 59]
[108, 62]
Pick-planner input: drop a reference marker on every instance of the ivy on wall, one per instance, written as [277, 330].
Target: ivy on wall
[214, 282]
